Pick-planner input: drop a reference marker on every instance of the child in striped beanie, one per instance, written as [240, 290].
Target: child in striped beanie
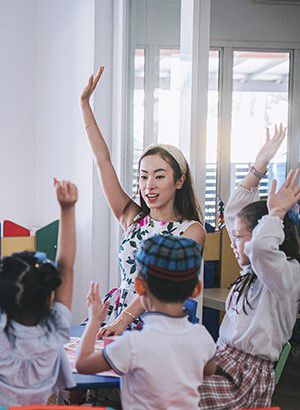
[163, 364]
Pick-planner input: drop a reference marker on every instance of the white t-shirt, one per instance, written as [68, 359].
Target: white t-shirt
[275, 294]
[162, 365]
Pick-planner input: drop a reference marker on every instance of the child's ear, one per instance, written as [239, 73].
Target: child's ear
[140, 286]
[52, 297]
[197, 289]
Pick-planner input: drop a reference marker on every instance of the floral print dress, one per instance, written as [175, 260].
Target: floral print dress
[139, 230]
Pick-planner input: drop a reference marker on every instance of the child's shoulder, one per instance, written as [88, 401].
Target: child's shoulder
[61, 309]
[200, 332]
[3, 320]
[61, 315]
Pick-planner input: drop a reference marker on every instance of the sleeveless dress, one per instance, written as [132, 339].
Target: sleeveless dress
[139, 230]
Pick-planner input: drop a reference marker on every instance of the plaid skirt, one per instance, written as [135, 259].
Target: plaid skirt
[241, 380]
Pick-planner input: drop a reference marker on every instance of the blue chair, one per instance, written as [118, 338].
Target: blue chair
[190, 307]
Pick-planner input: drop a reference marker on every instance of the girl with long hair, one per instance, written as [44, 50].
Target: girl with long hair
[262, 306]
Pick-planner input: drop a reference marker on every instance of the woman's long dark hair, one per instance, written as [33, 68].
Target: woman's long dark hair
[250, 215]
[185, 200]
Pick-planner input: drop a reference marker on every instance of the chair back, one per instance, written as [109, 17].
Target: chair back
[281, 361]
[190, 305]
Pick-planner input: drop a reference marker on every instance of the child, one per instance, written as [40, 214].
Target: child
[35, 302]
[262, 306]
[163, 364]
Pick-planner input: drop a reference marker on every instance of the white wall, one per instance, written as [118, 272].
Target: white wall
[49, 49]
[244, 20]
[157, 22]
[65, 59]
[17, 110]
[103, 112]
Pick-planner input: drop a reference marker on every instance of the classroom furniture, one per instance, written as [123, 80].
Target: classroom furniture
[16, 244]
[215, 298]
[46, 239]
[15, 238]
[91, 381]
[10, 229]
[220, 270]
[217, 249]
[212, 246]
[190, 307]
[279, 366]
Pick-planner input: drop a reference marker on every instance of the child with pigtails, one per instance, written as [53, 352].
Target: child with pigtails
[35, 317]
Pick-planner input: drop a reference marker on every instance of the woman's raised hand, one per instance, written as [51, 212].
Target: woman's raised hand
[270, 147]
[117, 327]
[90, 87]
[288, 195]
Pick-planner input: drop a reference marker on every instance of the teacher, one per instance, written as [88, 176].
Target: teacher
[167, 205]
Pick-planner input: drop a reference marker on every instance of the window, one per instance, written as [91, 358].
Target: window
[138, 111]
[161, 109]
[212, 137]
[259, 100]
[168, 98]
[255, 84]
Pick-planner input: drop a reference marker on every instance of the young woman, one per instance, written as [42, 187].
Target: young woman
[167, 206]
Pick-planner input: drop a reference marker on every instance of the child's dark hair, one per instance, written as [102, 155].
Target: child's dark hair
[26, 285]
[253, 212]
[250, 215]
[170, 266]
[167, 291]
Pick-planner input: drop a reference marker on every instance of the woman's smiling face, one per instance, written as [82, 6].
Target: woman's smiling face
[156, 183]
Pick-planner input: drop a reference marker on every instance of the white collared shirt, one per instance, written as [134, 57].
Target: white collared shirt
[162, 365]
[275, 294]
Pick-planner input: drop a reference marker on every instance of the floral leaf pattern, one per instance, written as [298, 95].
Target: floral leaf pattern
[141, 229]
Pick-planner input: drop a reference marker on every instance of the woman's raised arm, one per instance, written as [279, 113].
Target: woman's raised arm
[115, 195]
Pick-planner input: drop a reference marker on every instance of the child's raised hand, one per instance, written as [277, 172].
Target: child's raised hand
[66, 193]
[270, 147]
[288, 195]
[97, 310]
[91, 85]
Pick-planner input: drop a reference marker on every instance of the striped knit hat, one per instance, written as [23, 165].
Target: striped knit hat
[172, 258]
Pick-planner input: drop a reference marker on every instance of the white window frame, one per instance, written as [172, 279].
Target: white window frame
[227, 49]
